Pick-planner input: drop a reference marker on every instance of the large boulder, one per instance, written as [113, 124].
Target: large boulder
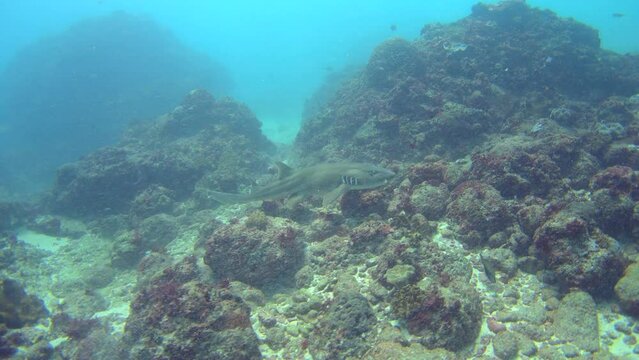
[203, 143]
[258, 251]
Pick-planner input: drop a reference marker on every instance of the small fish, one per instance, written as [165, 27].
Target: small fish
[618, 15]
[393, 27]
[330, 180]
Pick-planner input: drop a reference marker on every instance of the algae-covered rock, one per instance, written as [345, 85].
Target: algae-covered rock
[424, 97]
[441, 317]
[627, 290]
[340, 332]
[429, 200]
[505, 345]
[178, 315]
[400, 274]
[575, 321]
[18, 309]
[579, 254]
[479, 211]
[257, 256]
[385, 350]
[503, 260]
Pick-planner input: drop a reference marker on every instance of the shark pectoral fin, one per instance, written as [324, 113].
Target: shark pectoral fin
[331, 196]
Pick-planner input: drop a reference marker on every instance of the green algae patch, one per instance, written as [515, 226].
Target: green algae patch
[400, 274]
[576, 321]
[627, 290]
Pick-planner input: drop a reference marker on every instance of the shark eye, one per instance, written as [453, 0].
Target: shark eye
[372, 172]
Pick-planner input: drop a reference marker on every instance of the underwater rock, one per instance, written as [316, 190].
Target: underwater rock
[97, 344]
[385, 350]
[7, 348]
[153, 200]
[393, 61]
[256, 253]
[179, 316]
[431, 172]
[614, 214]
[580, 255]
[152, 234]
[575, 321]
[505, 345]
[370, 233]
[399, 275]
[502, 260]
[627, 290]
[17, 308]
[479, 211]
[74, 328]
[530, 217]
[617, 179]
[448, 317]
[622, 154]
[202, 144]
[89, 81]
[363, 203]
[14, 215]
[430, 201]
[340, 332]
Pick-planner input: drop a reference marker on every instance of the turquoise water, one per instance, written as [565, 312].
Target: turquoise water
[276, 53]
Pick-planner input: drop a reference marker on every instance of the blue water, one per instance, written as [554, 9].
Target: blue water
[276, 52]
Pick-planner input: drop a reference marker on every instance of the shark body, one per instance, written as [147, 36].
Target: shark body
[331, 180]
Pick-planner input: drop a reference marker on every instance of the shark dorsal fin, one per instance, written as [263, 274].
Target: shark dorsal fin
[283, 170]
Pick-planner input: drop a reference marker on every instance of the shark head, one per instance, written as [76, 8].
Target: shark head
[366, 176]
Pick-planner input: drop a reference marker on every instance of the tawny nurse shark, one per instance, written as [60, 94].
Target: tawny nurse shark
[330, 180]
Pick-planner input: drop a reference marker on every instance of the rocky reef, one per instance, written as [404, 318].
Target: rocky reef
[178, 316]
[505, 67]
[17, 310]
[204, 143]
[510, 230]
[88, 82]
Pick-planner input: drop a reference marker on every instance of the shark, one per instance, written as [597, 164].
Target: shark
[330, 180]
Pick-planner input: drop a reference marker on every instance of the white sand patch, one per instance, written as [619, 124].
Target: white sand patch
[280, 130]
[42, 241]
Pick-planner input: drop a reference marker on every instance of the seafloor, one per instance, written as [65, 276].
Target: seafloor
[510, 231]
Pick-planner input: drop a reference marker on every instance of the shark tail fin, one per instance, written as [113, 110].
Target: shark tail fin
[228, 198]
